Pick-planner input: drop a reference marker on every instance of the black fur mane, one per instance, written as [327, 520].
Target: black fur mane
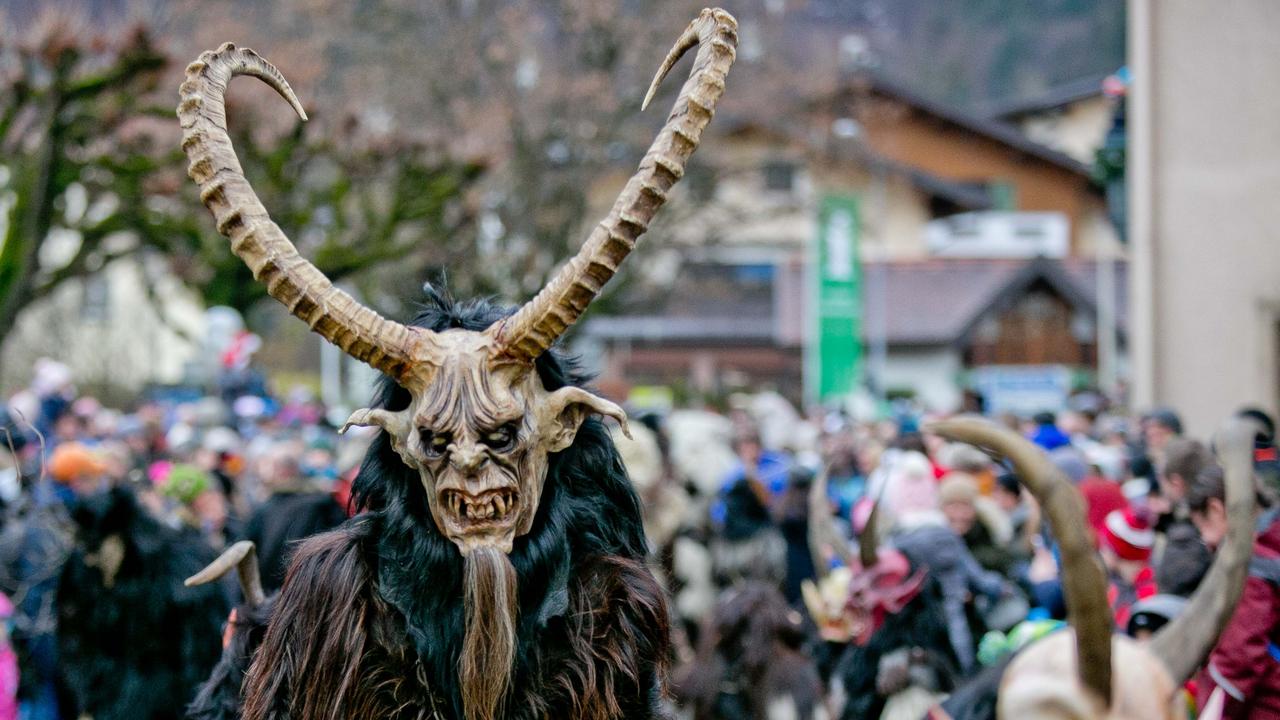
[588, 510]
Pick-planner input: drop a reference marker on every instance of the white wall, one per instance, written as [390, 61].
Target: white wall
[1204, 175]
[931, 373]
[109, 334]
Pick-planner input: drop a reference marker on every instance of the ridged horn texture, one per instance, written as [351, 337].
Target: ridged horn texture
[1084, 581]
[535, 327]
[243, 557]
[255, 239]
[1183, 644]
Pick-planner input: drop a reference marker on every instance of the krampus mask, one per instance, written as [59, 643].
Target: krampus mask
[852, 603]
[480, 425]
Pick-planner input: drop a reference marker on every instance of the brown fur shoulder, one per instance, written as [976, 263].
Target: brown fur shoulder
[618, 636]
[329, 652]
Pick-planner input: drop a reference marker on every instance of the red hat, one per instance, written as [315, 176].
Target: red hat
[1129, 534]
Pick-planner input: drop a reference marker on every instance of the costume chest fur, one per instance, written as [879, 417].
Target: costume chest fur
[338, 648]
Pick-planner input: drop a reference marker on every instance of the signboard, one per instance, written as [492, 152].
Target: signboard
[833, 361]
[1023, 389]
[997, 234]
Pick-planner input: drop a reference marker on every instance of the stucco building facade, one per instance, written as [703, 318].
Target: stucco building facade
[1204, 193]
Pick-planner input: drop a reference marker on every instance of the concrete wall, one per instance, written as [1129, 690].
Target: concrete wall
[1204, 174]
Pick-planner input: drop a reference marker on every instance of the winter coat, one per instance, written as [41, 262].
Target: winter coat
[937, 547]
[1122, 594]
[1246, 661]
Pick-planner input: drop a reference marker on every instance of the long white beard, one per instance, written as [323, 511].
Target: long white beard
[489, 645]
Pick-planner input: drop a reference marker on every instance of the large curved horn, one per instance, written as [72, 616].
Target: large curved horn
[532, 330]
[1183, 644]
[243, 557]
[822, 531]
[1084, 581]
[255, 239]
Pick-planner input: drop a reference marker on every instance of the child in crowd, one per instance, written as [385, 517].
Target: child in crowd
[1126, 542]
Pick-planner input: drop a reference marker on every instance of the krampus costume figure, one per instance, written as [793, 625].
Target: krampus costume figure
[751, 663]
[499, 571]
[882, 616]
[1086, 673]
[132, 641]
[219, 697]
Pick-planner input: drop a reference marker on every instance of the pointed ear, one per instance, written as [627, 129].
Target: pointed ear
[564, 411]
[399, 425]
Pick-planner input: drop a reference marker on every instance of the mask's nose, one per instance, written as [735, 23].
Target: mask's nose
[467, 460]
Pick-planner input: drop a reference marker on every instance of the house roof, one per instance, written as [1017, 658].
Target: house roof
[928, 303]
[1058, 96]
[992, 129]
[939, 302]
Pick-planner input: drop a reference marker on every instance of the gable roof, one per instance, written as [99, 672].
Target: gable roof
[942, 301]
[991, 129]
[928, 303]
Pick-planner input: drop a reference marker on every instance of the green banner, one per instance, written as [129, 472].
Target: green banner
[834, 350]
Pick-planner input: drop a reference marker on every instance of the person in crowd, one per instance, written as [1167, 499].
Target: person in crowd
[751, 660]
[971, 461]
[1266, 458]
[8, 664]
[1010, 499]
[793, 522]
[985, 530]
[904, 482]
[1047, 434]
[1158, 428]
[1127, 540]
[1184, 559]
[1146, 617]
[846, 478]
[295, 509]
[1245, 663]
[923, 535]
[1101, 496]
[42, 535]
[913, 441]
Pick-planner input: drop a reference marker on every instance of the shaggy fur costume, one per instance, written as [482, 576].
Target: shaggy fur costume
[919, 625]
[220, 696]
[751, 664]
[132, 641]
[370, 621]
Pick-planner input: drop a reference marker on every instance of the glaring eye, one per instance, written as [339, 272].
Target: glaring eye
[502, 439]
[435, 444]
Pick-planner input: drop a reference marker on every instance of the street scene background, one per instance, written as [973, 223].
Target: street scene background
[1053, 213]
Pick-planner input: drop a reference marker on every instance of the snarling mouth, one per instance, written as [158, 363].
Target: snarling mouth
[491, 508]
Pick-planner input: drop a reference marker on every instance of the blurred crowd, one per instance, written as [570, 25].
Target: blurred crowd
[758, 516]
[858, 569]
[176, 478]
